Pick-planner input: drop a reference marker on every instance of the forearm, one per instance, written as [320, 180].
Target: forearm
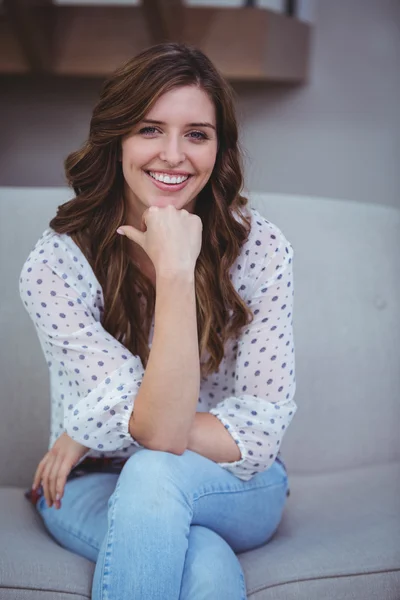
[209, 438]
[166, 403]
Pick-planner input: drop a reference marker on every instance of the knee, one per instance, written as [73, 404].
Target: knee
[148, 466]
[144, 475]
[151, 479]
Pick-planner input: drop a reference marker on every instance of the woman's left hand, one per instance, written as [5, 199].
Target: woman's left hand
[55, 466]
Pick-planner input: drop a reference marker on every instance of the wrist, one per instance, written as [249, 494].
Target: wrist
[175, 275]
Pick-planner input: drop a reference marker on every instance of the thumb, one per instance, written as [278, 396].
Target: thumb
[132, 233]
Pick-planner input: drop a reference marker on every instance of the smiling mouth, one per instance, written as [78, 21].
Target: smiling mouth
[168, 184]
[170, 180]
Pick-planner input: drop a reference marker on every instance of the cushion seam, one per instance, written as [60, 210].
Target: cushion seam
[254, 591]
[50, 591]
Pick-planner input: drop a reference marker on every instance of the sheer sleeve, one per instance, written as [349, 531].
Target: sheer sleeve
[96, 377]
[262, 407]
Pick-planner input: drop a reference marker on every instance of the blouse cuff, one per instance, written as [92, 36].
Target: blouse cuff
[231, 466]
[125, 418]
[122, 437]
[125, 422]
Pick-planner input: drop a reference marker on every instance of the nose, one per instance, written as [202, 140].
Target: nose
[172, 152]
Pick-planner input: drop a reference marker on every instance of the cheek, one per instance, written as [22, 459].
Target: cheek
[206, 162]
[135, 155]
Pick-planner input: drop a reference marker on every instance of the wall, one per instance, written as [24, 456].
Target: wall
[337, 136]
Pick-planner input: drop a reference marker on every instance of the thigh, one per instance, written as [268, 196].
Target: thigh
[80, 525]
[244, 513]
[211, 570]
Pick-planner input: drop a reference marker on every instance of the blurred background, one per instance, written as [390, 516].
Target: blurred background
[324, 123]
[318, 95]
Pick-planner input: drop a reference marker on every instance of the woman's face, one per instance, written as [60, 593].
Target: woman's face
[170, 155]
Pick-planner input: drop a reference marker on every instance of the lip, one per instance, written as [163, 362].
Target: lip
[165, 186]
[166, 172]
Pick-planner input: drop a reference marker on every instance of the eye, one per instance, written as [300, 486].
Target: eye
[200, 134]
[148, 129]
[195, 135]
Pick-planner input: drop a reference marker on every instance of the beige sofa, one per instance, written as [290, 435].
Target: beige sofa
[340, 533]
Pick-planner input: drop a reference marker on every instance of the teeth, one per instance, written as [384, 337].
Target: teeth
[168, 179]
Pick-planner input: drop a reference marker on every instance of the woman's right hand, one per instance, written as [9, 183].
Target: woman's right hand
[172, 239]
[55, 466]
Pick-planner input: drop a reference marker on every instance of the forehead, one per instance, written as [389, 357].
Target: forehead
[184, 105]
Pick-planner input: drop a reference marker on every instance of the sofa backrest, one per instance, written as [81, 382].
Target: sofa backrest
[346, 321]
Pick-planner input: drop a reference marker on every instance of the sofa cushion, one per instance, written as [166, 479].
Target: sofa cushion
[31, 560]
[346, 332]
[339, 531]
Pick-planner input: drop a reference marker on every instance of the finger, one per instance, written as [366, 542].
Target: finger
[53, 476]
[143, 224]
[147, 213]
[145, 216]
[133, 234]
[62, 475]
[38, 474]
[45, 478]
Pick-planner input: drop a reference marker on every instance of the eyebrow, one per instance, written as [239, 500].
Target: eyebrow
[189, 124]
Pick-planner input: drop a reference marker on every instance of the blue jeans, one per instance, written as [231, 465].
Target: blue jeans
[167, 526]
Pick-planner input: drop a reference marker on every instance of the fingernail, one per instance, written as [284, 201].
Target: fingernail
[120, 231]
[33, 488]
[58, 496]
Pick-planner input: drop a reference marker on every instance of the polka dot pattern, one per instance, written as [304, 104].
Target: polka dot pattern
[261, 380]
[94, 379]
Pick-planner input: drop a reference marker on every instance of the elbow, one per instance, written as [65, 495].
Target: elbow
[155, 441]
[173, 448]
[177, 451]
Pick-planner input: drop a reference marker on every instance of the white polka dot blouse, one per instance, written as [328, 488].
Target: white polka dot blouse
[94, 379]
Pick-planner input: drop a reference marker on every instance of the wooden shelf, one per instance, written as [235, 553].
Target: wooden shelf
[246, 44]
[11, 56]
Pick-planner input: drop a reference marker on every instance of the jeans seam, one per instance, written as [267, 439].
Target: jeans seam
[104, 596]
[244, 590]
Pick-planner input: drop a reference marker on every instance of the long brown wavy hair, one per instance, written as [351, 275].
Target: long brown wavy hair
[98, 208]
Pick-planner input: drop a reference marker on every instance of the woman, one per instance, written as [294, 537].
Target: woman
[163, 305]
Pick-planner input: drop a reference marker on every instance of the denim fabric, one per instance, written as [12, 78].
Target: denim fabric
[168, 526]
